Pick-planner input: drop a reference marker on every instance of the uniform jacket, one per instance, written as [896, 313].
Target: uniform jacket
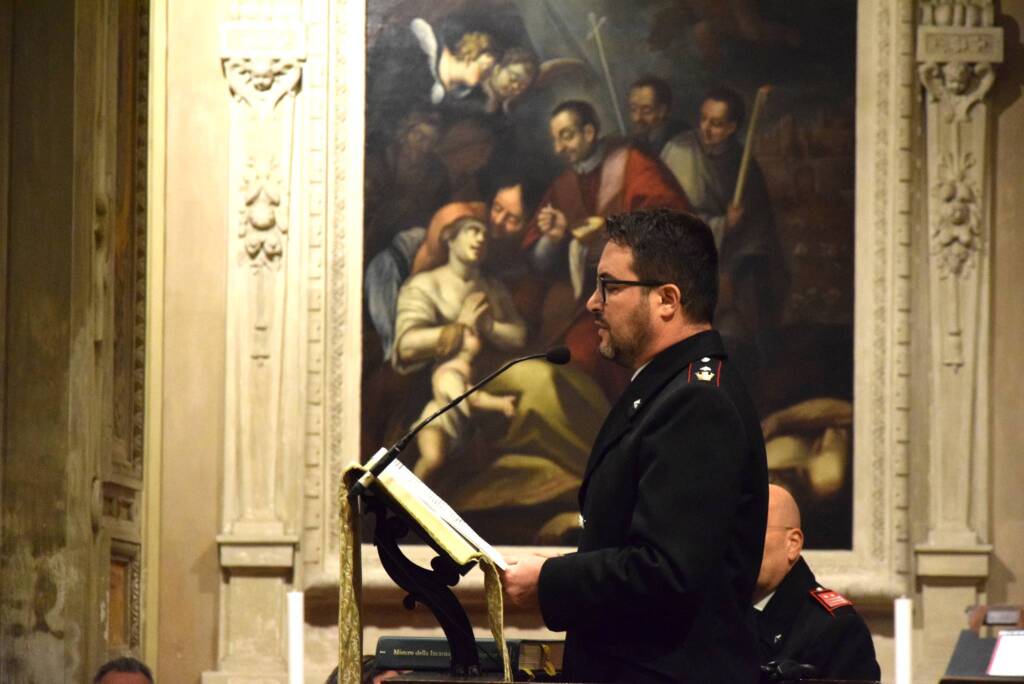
[796, 626]
[674, 502]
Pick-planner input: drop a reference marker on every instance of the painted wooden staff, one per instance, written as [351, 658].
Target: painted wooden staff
[748, 146]
[595, 34]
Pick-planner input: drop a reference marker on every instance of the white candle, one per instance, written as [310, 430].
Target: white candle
[295, 650]
[903, 628]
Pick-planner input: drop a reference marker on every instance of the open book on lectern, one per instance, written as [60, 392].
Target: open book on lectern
[444, 526]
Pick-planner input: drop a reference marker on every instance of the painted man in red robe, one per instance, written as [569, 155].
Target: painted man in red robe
[564, 240]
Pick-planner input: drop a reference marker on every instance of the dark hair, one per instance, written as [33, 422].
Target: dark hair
[659, 86]
[500, 176]
[672, 247]
[125, 664]
[584, 113]
[732, 100]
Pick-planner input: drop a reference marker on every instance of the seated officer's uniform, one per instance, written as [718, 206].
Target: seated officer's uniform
[804, 623]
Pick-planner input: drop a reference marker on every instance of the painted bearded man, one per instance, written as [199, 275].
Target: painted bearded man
[602, 177]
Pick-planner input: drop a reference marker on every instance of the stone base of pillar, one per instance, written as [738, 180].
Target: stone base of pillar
[950, 579]
[256, 575]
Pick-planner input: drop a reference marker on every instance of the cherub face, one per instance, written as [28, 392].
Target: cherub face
[510, 80]
[958, 77]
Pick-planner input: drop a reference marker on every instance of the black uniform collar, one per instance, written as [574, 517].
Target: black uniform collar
[673, 360]
[661, 369]
[782, 610]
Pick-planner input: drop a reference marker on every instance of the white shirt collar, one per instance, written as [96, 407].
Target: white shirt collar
[637, 371]
[591, 162]
[763, 603]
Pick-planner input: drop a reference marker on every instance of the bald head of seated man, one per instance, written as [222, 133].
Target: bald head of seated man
[799, 620]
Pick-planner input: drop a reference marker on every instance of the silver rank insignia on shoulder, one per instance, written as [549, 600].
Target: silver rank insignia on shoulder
[706, 359]
[583, 521]
[636, 404]
[705, 374]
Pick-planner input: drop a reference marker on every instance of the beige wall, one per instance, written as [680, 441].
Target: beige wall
[193, 374]
[193, 346]
[1007, 582]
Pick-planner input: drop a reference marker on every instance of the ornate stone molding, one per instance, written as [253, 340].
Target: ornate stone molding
[140, 206]
[262, 62]
[958, 48]
[344, 305]
[317, 121]
[263, 57]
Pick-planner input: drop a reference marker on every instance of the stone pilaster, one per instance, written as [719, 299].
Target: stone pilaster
[263, 49]
[958, 48]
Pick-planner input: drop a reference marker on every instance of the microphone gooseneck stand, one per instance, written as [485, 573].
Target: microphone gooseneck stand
[431, 588]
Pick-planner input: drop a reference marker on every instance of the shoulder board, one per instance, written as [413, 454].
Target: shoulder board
[707, 370]
[830, 600]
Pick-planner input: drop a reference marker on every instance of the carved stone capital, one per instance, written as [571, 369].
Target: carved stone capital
[262, 61]
[957, 85]
[957, 46]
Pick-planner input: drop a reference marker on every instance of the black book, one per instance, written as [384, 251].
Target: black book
[434, 654]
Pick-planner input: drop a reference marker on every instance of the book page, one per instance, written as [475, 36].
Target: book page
[1008, 655]
[417, 488]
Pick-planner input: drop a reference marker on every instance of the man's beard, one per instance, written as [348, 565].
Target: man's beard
[624, 346]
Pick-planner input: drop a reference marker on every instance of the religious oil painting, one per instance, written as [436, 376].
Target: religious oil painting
[500, 134]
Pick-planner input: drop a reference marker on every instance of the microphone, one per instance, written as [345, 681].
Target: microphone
[377, 464]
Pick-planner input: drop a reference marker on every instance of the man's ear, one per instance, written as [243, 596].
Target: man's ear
[669, 297]
[589, 132]
[794, 544]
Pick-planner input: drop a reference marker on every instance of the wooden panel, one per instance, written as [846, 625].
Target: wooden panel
[119, 618]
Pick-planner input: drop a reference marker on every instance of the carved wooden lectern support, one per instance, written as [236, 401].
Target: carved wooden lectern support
[431, 588]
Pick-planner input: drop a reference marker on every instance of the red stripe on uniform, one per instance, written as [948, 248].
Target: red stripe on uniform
[689, 373]
[718, 375]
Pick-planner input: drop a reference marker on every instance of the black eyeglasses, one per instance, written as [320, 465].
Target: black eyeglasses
[603, 283]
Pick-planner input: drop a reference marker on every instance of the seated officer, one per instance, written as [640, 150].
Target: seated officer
[798, 621]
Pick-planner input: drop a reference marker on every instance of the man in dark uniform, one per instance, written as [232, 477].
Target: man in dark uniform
[674, 497]
[798, 620]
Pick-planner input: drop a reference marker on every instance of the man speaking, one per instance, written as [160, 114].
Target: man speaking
[674, 498]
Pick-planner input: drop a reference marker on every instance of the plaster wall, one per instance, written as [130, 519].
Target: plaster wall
[42, 620]
[193, 345]
[1006, 584]
[195, 292]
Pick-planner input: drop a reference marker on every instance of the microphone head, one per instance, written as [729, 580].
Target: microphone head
[558, 355]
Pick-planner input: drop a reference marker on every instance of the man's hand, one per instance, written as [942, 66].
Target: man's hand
[520, 581]
[552, 222]
[733, 215]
